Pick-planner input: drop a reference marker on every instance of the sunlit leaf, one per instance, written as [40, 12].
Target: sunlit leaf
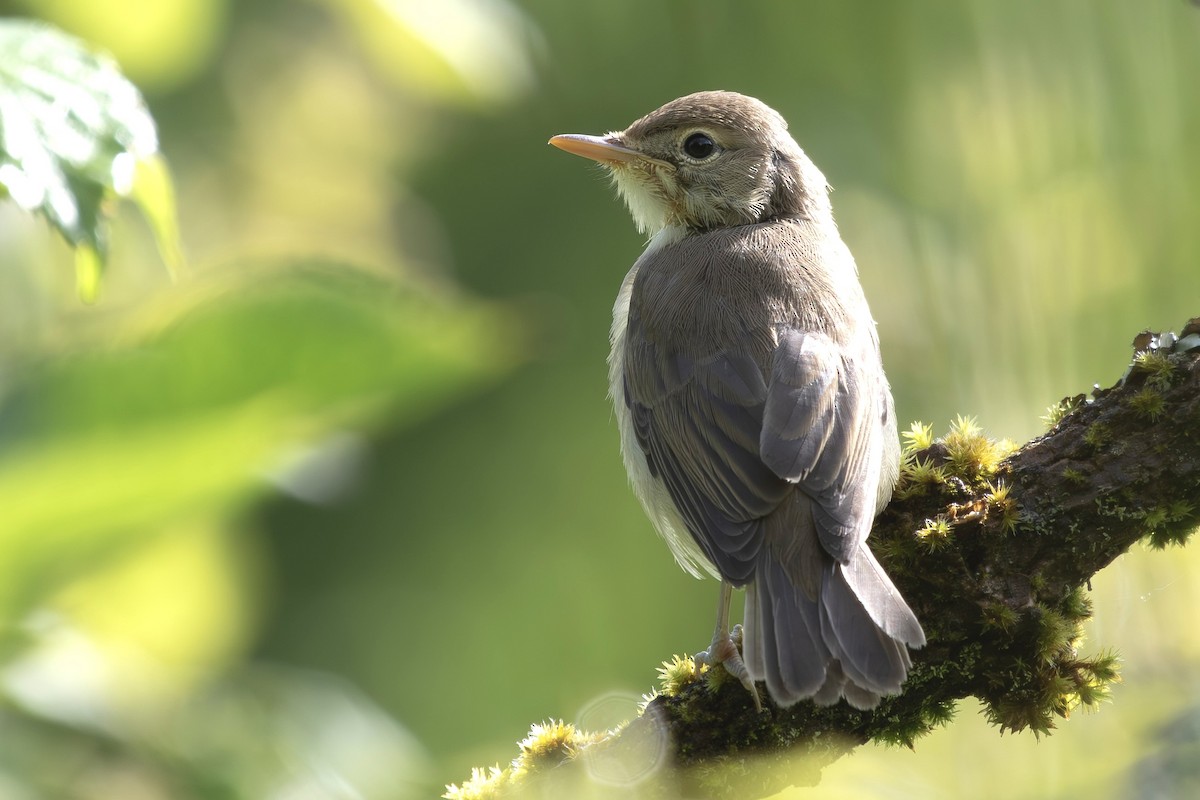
[455, 50]
[161, 46]
[73, 131]
[89, 266]
[154, 193]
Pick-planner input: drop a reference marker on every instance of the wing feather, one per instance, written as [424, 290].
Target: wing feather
[820, 431]
[736, 409]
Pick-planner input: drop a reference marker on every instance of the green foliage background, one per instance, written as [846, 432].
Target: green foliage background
[342, 505]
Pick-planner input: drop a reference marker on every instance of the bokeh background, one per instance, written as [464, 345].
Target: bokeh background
[340, 512]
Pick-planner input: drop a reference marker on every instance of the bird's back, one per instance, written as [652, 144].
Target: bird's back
[710, 289]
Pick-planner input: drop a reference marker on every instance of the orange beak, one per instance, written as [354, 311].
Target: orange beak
[600, 148]
[597, 148]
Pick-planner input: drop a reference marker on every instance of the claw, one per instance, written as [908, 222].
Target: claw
[724, 649]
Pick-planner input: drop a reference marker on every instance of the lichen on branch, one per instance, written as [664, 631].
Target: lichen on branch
[994, 547]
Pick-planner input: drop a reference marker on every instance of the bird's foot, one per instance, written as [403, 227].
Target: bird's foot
[724, 651]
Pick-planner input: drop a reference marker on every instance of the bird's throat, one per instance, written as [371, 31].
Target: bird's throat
[643, 195]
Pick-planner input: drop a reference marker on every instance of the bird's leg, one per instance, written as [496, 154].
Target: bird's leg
[724, 647]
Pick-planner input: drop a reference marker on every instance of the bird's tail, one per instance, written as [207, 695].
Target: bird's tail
[849, 640]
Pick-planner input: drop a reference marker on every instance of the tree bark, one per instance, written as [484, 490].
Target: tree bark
[995, 559]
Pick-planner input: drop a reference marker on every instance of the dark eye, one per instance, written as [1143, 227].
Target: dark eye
[699, 146]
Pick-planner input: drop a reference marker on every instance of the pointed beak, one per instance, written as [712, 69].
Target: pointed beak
[600, 148]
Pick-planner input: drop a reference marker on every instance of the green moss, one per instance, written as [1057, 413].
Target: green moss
[1072, 475]
[1020, 709]
[677, 673]
[1148, 403]
[917, 476]
[714, 679]
[918, 437]
[905, 731]
[1060, 410]
[1077, 605]
[935, 534]
[1109, 506]
[1103, 671]
[1055, 634]
[896, 553]
[647, 699]
[1159, 368]
[1154, 519]
[999, 616]
[1178, 527]
[999, 498]
[964, 453]
[1180, 511]
[1097, 435]
[892, 725]
[549, 744]
[483, 784]
[1046, 679]
[940, 713]
[970, 454]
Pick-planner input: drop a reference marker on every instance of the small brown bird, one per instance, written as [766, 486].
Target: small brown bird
[756, 422]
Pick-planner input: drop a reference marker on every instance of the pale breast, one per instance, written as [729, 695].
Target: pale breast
[650, 491]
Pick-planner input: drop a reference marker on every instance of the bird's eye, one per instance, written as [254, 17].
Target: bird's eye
[699, 146]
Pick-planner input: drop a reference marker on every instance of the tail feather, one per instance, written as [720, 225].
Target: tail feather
[851, 640]
[837, 686]
[782, 636]
[870, 659]
[866, 579]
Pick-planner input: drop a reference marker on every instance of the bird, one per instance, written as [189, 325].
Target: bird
[756, 422]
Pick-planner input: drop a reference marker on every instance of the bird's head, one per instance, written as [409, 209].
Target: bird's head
[707, 160]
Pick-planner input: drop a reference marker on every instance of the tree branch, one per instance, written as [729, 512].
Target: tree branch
[994, 556]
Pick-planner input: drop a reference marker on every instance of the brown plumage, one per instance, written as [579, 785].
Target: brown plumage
[756, 421]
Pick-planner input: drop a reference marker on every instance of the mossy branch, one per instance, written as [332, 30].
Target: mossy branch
[993, 547]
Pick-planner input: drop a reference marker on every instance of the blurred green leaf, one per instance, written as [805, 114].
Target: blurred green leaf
[257, 732]
[206, 394]
[73, 132]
